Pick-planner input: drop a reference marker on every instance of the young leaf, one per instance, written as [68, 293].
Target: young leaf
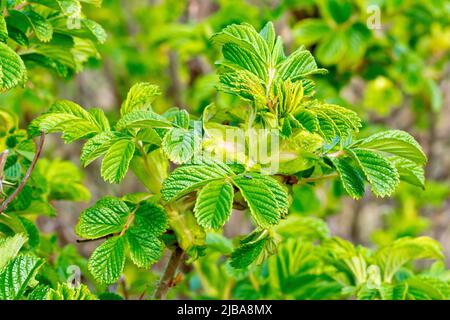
[152, 218]
[142, 119]
[41, 27]
[9, 247]
[107, 216]
[261, 200]
[117, 160]
[65, 292]
[12, 68]
[409, 171]
[380, 173]
[180, 145]
[188, 178]
[298, 65]
[351, 178]
[108, 260]
[214, 203]
[140, 97]
[246, 254]
[145, 249]
[97, 146]
[17, 275]
[395, 142]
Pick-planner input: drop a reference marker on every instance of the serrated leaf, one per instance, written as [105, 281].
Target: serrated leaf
[245, 36]
[152, 218]
[107, 216]
[260, 199]
[3, 30]
[237, 57]
[12, 68]
[381, 174]
[65, 292]
[246, 254]
[140, 97]
[409, 171]
[108, 260]
[392, 257]
[142, 119]
[214, 203]
[17, 275]
[298, 65]
[100, 119]
[67, 117]
[145, 248]
[188, 178]
[117, 160]
[395, 142]
[41, 27]
[351, 178]
[97, 146]
[9, 247]
[180, 145]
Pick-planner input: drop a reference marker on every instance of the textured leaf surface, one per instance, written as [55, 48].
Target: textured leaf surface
[351, 178]
[108, 260]
[260, 199]
[395, 142]
[188, 178]
[145, 248]
[214, 203]
[180, 145]
[152, 218]
[9, 247]
[12, 68]
[97, 146]
[117, 160]
[17, 275]
[140, 97]
[381, 174]
[107, 216]
[298, 65]
[142, 119]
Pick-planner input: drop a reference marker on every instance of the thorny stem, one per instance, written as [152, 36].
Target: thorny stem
[169, 274]
[22, 184]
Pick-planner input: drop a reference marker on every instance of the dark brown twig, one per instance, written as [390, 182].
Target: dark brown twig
[22, 184]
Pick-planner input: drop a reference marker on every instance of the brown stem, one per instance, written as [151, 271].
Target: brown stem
[96, 239]
[167, 278]
[22, 184]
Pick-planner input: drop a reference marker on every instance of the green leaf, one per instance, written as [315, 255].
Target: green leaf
[12, 69]
[381, 174]
[67, 117]
[214, 203]
[237, 58]
[100, 119]
[17, 275]
[309, 31]
[3, 30]
[244, 84]
[142, 119]
[351, 178]
[108, 260]
[152, 218]
[117, 160]
[245, 255]
[395, 142]
[186, 179]
[9, 247]
[261, 200]
[409, 171]
[244, 36]
[41, 27]
[140, 97]
[180, 145]
[392, 257]
[298, 65]
[107, 216]
[97, 146]
[145, 248]
[65, 292]
[331, 49]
